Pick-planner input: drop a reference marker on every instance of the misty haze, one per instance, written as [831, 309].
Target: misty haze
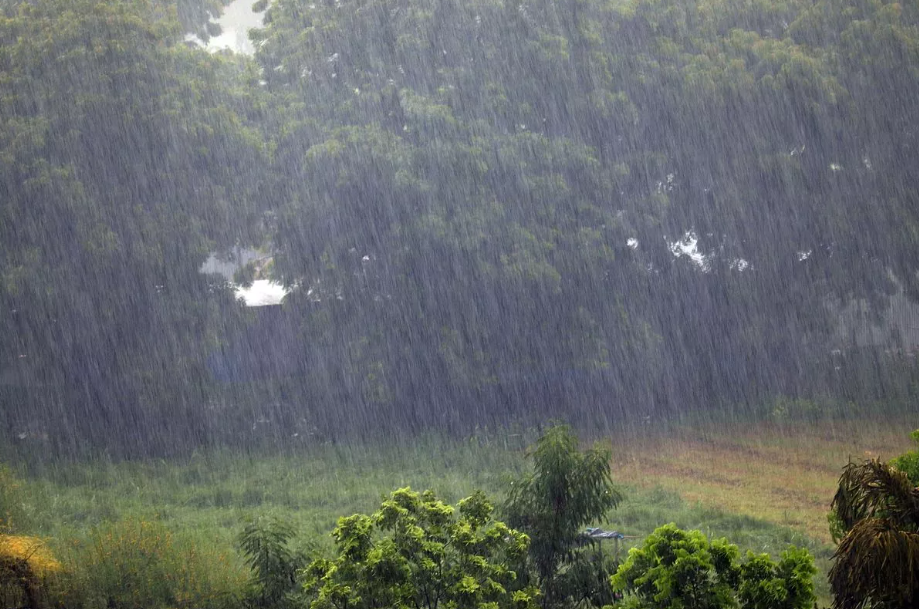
[442, 304]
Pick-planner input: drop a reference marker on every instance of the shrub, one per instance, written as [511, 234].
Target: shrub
[788, 410]
[25, 566]
[264, 542]
[567, 490]
[677, 569]
[908, 462]
[416, 551]
[787, 584]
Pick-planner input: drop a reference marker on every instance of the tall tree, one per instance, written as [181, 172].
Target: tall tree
[125, 160]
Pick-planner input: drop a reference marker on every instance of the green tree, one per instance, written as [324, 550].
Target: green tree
[677, 569]
[494, 160]
[265, 545]
[125, 157]
[417, 551]
[786, 584]
[567, 490]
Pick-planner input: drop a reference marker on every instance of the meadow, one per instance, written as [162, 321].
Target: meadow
[762, 484]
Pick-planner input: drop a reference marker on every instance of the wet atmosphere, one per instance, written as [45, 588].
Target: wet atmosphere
[262, 265]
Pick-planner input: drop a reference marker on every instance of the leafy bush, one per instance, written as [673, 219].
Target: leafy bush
[787, 584]
[788, 410]
[567, 490]
[416, 551]
[908, 462]
[677, 569]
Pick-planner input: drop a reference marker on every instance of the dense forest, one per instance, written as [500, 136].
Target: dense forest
[485, 211]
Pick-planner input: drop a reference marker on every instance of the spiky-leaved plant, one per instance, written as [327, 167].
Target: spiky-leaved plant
[875, 564]
[274, 565]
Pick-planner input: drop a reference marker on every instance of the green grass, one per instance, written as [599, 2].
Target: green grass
[204, 500]
[209, 495]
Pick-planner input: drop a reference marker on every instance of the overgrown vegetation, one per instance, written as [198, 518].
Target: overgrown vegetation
[484, 209]
[248, 547]
[676, 569]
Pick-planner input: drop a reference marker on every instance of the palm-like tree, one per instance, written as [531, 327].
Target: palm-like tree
[877, 561]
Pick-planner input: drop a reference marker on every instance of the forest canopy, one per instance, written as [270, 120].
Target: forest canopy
[485, 211]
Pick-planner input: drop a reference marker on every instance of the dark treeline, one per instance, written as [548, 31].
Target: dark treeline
[483, 210]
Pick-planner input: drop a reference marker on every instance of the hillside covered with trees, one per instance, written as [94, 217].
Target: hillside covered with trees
[485, 211]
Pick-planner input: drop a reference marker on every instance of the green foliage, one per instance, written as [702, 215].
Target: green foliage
[71, 504]
[908, 462]
[264, 543]
[788, 410]
[417, 551]
[787, 584]
[125, 158]
[567, 490]
[677, 569]
[401, 159]
[521, 165]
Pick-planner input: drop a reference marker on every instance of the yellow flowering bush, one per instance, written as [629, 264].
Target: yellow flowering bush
[25, 563]
[32, 550]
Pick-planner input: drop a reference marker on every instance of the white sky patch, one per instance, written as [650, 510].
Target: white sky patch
[262, 292]
[235, 22]
[194, 40]
[689, 246]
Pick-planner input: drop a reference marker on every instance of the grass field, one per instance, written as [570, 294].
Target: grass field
[783, 474]
[761, 485]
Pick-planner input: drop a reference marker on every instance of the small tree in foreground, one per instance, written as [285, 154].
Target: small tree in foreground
[677, 569]
[566, 491]
[416, 551]
[274, 566]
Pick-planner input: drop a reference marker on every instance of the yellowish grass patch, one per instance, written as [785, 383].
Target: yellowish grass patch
[785, 474]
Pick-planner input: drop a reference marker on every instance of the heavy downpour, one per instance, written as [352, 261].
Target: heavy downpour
[454, 304]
